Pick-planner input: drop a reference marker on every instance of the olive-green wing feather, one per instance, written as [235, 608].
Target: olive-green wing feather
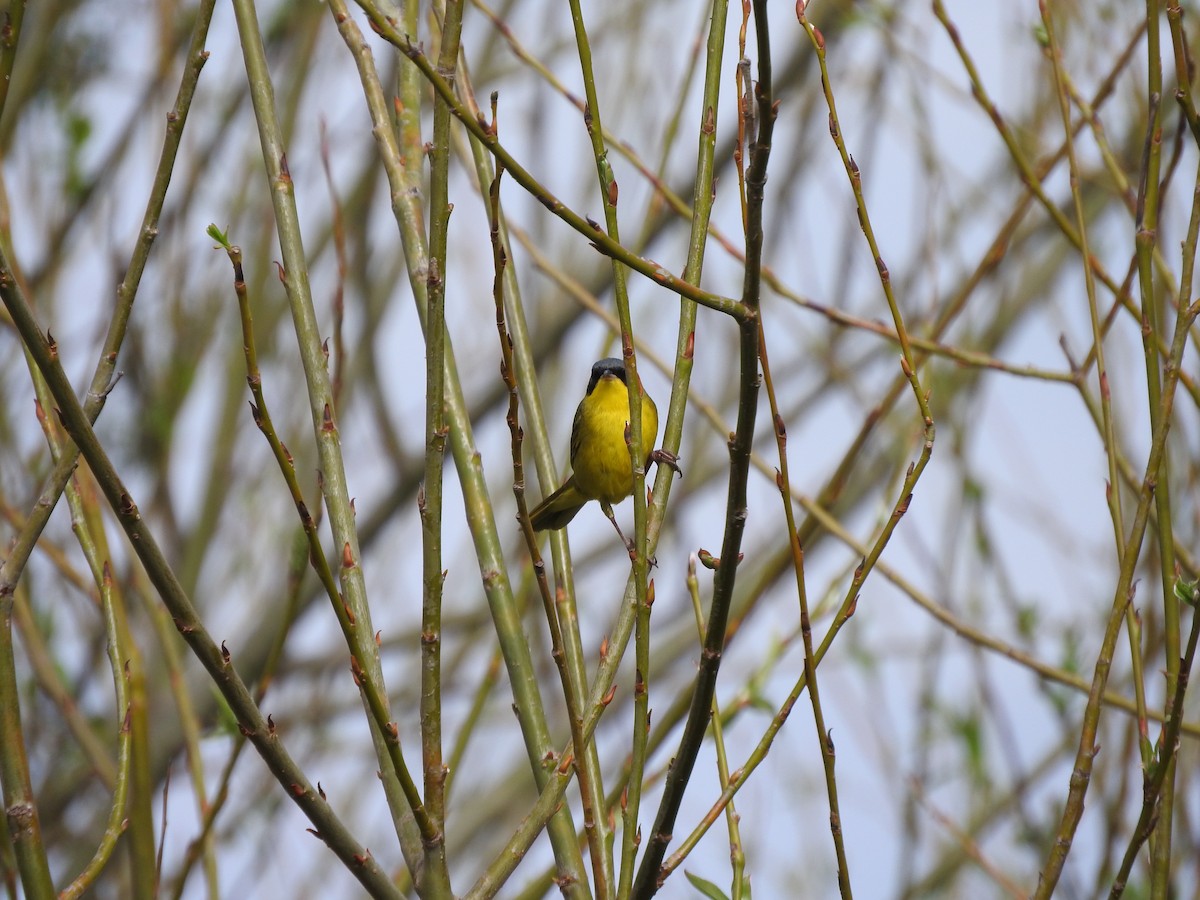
[560, 507]
[577, 431]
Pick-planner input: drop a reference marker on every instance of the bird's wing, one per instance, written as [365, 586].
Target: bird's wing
[577, 431]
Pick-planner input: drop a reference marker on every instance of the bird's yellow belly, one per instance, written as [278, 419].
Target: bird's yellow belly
[603, 468]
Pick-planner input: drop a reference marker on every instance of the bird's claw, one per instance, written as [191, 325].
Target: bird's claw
[633, 555]
[667, 458]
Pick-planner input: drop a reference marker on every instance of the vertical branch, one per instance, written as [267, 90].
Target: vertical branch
[602, 687]
[336, 493]
[701, 213]
[430, 497]
[1183, 68]
[10, 35]
[517, 367]
[1159, 771]
[136, 819]
[130, 812]
[1108, 428]
[642, 592]
[647, 882]
[702, 201]
[115, 825]
[20, 810]
[1145, 242]
[294, 274]
[209, 803]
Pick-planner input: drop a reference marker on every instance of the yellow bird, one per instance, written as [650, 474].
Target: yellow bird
[601, 466]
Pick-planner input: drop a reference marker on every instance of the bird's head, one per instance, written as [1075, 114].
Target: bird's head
[606, 369]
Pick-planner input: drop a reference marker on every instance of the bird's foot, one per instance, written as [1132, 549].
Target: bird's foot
[668, 459]
[629, 545]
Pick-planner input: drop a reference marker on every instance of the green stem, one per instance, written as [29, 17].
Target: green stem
[115, 826]
[1146, 240]
[132, 810]
[737, 855]
[908, 363]
[430, 500]
[10, 35]
[649, 876]
[20, 810]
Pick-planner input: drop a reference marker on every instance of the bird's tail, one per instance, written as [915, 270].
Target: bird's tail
[558, 509]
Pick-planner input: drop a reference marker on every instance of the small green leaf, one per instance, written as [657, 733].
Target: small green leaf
[761, 703]
[79, 130]
[706, 888]
[1188, 592]
[221, 237]
[1070, 661]
[969, 729]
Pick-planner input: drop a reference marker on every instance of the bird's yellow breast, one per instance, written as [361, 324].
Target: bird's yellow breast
[601, 464]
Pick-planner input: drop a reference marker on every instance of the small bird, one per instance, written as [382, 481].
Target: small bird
[600, 452]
